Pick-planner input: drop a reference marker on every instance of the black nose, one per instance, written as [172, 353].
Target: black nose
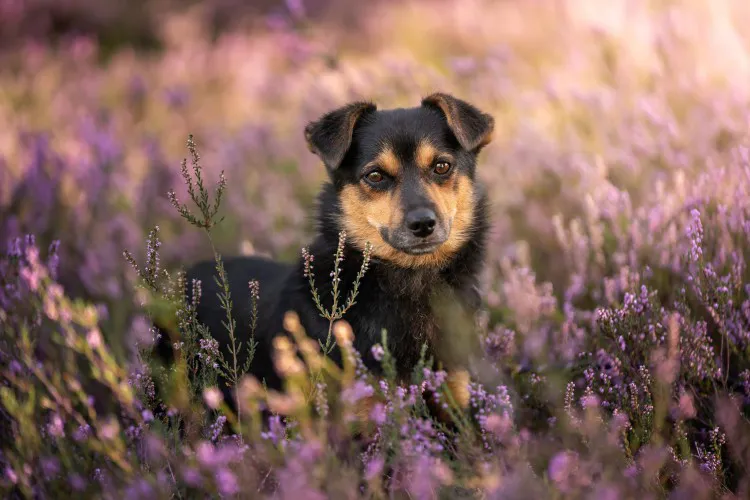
[421, 222]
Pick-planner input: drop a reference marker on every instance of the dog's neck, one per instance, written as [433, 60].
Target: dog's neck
[461, 272]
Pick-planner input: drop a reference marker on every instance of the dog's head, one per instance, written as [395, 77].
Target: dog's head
[404, 177]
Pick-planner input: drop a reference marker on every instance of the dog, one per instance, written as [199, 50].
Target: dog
[403, 181]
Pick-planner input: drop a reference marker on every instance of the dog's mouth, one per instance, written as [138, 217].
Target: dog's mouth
[421, 248]
[411, 245]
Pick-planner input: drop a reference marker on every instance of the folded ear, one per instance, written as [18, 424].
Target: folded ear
[472, 127]
[330, 136]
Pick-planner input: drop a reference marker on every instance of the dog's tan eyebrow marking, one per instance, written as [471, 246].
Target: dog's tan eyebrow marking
[388, 161]
[425, 154]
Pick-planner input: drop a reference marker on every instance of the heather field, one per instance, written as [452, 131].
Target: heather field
[616, 318]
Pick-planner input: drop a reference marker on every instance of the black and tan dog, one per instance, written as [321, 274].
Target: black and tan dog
[404, 181]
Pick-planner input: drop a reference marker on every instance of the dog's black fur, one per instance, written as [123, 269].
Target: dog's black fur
[396, 296]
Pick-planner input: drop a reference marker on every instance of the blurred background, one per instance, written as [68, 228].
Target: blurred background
[621, 111]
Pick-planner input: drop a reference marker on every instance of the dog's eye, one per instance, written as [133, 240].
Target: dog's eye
[374, 177]
[442, 167]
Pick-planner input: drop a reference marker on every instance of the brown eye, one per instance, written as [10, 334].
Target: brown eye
[374, 177]
[442, 167]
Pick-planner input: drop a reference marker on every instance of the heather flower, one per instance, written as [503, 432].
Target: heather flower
[433, 380]
[378, 352]
[276, 432]
[56, 426]
[709, 461]
[378, 413]
[142, 332]
[50, 467]
[154, 447]
[562, 469]
[77, 482]
[249, 387]
[321, 401]
[109, 429]
[487, 404]
[607, 493]
[82, 432]
[213, 397]
[695, 233]
[308, 259]
[217, 428]
[254, 289]
[359, 390]
[133, 432]
[140, 489]
[499, 425]
[226, 481]
[500, 343]
[11, 475]
[374, 467]
[191, 476]
[94, 338]
[590, 400]
[343, 333]
[209, 351]
[422, 484]
[685, 407]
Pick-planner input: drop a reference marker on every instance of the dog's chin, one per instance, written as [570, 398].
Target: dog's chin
[410, 245]
[418, 247]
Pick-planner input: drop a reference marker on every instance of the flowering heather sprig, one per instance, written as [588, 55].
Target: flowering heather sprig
[254, 298]
[151, 274]
[569, 404]
[144, 384]
[152, 251]
[209, 352]
[432, 380]
[358, 391]
[338, 258]
[231, 369]
[499, 344]
[276, 432]
[254, 287]
[695, 234]
[207, 219]
[709, 456]
[197, 292]
[308, 264]
[336, 311]
[217, 428]
[366, 256]
[486, 404]
[321, 400]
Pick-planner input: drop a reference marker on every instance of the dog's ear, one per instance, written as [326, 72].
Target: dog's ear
[472, 127]
[330, 136]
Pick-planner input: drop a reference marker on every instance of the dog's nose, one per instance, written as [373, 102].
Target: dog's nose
[421, 222]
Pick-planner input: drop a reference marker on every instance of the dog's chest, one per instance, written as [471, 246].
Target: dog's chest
[403, 305]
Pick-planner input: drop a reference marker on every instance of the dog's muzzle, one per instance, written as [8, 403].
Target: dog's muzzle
[421, 232]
